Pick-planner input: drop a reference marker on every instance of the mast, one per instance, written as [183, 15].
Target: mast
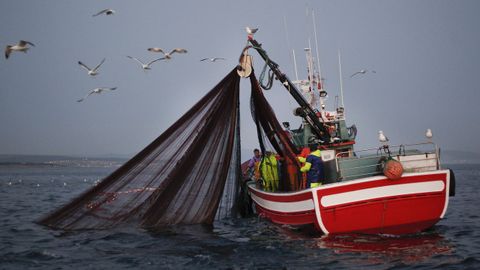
[341, 78]
[289, 46]
[295, 64]
[311, 74]
[316, 51]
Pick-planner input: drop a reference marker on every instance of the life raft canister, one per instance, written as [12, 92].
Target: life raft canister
[393, 169]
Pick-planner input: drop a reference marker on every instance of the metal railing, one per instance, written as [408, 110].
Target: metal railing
[367, 162]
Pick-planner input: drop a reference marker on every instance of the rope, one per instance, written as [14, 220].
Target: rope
[269, 84]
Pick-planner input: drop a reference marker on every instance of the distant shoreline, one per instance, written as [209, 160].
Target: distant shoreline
[59, 161]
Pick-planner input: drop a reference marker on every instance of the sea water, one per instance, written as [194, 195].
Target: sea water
[31, 190]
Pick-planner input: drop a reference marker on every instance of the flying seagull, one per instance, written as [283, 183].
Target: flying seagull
[250, 30]
[107, 11]
[97, 91]
[167, 55]
[363, 71]
[147, 65]
[21, 46]
[213, 59]
[91, 72]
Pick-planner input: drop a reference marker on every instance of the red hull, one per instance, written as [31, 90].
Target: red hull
[374, 205]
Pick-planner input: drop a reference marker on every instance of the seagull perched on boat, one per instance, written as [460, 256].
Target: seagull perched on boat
[21, 46]
[167, 55]
[147, 65]
[250, 30]
[91, 72]
[97, 91]
[381, 137]
[213, 59]
[106, 11]
[429, 134]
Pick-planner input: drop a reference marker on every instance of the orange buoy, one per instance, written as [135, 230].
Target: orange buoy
[393, 169]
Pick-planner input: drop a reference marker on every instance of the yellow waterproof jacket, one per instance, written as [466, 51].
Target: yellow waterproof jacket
[308, 165]
[269, 168]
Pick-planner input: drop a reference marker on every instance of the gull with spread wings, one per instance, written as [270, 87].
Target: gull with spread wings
[212, 59]
[167, 55]
[362, 71]
[106, 11]
[147, 65]
[97, 91]
[94, 71]
[21, 46]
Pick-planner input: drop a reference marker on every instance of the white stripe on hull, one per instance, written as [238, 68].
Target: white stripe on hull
[447, 195]
[382, 192]
[284, 207]
[353, 196]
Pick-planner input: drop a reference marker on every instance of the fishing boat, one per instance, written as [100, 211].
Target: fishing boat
[389, 189]
[191, 174]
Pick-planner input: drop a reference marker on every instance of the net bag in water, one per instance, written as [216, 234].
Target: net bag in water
[179, 178]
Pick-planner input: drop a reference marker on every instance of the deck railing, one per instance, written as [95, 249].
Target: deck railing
[367, 162]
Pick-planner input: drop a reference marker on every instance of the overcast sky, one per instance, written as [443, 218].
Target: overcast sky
[426, 55]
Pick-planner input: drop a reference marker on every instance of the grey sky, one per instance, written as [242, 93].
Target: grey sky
[425, 53]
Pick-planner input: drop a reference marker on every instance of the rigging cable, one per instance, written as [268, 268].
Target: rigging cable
[268, 85]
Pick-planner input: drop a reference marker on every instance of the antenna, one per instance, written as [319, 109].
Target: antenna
[316, 50]
[341, 77]
[295, 64]
[311, 72]
[290, 47]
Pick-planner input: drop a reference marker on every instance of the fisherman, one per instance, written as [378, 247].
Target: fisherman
[269, 169]
[314, 167]
[254, 165]
[302, 158]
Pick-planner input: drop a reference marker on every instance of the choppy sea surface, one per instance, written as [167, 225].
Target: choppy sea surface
[30, 190]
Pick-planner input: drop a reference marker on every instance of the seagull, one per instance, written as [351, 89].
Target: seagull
[147, 65]
[363, 71]
[250, 30]
[97, 91]
[429, 134]
[107, 11]
[381, 137]
[213, 59]
[167, 55]
[91, 72]
[21, 46]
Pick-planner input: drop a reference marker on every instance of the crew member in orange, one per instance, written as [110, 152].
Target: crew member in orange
[302, 158]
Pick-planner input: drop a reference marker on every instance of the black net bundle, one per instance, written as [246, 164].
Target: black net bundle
[270, 130]
[180, 178]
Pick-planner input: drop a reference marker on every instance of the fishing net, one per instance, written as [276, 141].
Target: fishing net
[270, 133]
[179, 178]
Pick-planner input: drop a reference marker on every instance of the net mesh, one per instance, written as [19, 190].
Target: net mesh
[271, 133]
[179, 178]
